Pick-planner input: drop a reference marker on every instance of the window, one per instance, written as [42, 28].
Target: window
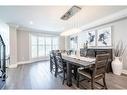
[48, 45]
[42, 45]
[55, 43]
[34, 46]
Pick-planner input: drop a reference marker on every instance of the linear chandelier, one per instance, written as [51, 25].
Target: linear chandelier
[71, 12]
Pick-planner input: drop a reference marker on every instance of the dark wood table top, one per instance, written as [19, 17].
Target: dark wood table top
[79, 61]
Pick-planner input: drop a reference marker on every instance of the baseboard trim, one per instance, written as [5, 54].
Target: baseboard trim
[124, 72]
[12, 66]
[31, 61]
[26, 62]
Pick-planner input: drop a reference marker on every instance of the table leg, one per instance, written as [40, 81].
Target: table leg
[69, 74]
[75, 72]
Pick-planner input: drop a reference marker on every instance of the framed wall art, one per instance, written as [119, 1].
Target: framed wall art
[91, 38]
[104, 37]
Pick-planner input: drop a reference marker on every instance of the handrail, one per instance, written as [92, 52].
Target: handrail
[2, 40]
[3, 59]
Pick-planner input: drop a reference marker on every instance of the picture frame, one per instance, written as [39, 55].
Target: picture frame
[104, 37]
[91, 38]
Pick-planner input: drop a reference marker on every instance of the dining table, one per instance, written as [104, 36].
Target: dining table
[78, 61]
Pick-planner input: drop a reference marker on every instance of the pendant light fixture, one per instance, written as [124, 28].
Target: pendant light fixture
[75, 21]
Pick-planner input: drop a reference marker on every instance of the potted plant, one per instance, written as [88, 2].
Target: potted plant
[117, 65]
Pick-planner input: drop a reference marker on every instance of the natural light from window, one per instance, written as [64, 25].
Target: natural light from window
[42, 45]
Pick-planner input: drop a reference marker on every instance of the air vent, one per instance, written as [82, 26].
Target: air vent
[72, 11]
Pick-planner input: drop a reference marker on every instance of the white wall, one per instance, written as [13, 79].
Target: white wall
[119, 31]
[4, 32]
[61, 42]
[23, 46]
[13, 45]
[67, 43]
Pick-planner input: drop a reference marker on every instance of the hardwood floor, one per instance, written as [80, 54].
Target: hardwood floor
[38, 76]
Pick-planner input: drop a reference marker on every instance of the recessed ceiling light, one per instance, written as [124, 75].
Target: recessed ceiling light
[31, 22]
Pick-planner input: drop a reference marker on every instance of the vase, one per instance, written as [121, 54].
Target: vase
[78, 54]
[117, 66]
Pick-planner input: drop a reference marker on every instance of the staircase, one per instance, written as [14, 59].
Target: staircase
[2, 63]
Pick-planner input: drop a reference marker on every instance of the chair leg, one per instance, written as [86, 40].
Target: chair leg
[78, 76]
[63, 77]
[104, 82]
[75, 72]
[56, 71]
[92, 83]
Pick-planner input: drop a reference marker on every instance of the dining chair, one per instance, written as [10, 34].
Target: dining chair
[61, 66]
[52, 61]
[96, 72]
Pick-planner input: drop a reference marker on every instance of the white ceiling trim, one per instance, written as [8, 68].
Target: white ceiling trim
[37, 31]
[111, 18]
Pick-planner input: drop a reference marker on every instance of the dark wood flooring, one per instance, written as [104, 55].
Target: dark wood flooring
[38, 76]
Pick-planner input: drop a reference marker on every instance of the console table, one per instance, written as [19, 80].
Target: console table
[94, 52]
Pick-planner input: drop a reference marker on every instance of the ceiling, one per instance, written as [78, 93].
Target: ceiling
[47, 18]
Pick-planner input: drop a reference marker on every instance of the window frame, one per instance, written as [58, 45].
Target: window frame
[45, 45]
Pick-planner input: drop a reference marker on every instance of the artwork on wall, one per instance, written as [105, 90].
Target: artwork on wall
[101, 37]
[73, 42]
[104, 37]
[91, 38]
